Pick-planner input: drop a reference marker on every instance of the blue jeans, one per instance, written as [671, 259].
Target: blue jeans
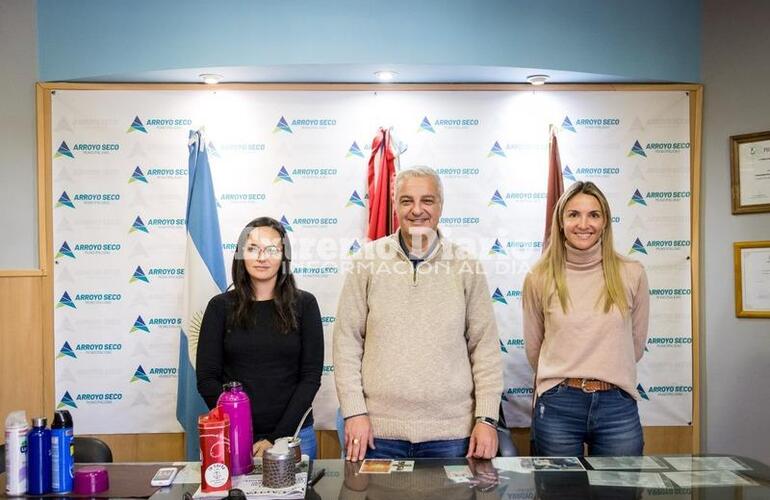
[607, 421]
[308, 445]
[395, 448]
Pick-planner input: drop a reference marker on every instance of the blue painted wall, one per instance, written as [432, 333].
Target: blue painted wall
[649, 40]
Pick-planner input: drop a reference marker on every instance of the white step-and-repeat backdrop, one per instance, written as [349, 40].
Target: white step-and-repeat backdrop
[119, 175]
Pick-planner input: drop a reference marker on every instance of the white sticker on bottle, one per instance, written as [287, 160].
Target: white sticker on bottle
[217, 475]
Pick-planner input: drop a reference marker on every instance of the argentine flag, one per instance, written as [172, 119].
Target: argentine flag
[204, 278]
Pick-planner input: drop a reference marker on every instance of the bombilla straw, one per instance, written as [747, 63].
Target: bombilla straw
[302, 421]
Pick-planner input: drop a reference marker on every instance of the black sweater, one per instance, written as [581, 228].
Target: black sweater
[280, 373]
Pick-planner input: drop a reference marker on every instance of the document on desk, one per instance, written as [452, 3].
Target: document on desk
[190, 474]
[705, 463]
[624, 478]
[252, 487]
[694, 479]
[620, 463]
[525, 465]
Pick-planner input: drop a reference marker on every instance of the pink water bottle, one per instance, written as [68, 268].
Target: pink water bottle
[235, 403]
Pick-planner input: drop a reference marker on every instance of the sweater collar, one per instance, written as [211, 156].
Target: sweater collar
[395, 239]
[584, 259]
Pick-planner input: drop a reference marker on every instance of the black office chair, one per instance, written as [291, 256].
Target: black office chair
[91, 450]
[2, 458]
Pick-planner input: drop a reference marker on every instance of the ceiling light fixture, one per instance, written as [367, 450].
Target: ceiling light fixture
[385, 75]
[211, 78]
[538, 79]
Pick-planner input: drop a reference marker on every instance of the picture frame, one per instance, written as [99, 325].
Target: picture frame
[750, 172]
[752, 279]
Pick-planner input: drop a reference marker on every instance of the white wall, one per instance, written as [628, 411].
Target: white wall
[18, 192]
[736, 352]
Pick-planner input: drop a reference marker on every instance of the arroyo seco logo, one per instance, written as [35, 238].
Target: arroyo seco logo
[284, 125]
[161, 223]
[669, 341]
[159, 123]
[64, 201]
[87, 298]
[355, 200]
[500, 297]
[242, 198]
[137, 176]
[447, 123]
[637, 150]
[459, 221]
[658, 196]
[589, 172]
[161, 372]
[64, 251]
[519, 392]
[284, 175]
[328, 320]
[97, 348]
[496, 150]
[519, 197]
[663, 390]
[589, 123]
[87, 199]
[497, 248]
[667, 147]
[138, 226]
[523, 245]
[327, 369]
[513, 343]
[66, 351]
[497, 199]
[315, 271]
[140, 374]
[354, 248]
[140, 325]
[286, 224]
[90, 398]
[96, 248]
[354, 151]
[66, 401]
[156, 173]
[670, 293]
[64, 151]
[658, 246]
[457, 172]
[139, 276]
[308, 222]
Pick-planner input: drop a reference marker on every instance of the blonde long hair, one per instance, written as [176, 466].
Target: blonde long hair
[551, 268]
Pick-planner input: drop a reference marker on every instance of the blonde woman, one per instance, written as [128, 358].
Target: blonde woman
[586, 312]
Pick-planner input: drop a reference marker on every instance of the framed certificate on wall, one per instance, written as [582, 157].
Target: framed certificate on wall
[750, 172]
[752, 279]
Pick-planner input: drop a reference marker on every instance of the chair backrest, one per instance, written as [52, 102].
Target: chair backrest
[91, 450]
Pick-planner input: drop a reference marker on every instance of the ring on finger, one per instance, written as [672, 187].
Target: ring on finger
[355, 441]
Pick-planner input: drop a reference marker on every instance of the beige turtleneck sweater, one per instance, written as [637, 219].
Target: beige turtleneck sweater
[586, 342]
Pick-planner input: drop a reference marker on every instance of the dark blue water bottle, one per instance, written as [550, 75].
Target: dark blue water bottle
[39, 458]
[62, 452]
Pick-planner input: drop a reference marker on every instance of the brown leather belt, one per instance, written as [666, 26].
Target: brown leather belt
[588, 384]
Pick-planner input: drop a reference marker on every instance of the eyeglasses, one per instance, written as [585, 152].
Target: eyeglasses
[271, 251]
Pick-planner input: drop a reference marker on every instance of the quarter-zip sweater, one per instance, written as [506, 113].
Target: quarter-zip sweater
[586, 342]
[416, 348]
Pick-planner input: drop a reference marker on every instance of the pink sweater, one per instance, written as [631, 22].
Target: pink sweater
[585, 342]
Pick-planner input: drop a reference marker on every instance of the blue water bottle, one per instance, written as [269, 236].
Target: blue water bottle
[62, 452]
[39, 458]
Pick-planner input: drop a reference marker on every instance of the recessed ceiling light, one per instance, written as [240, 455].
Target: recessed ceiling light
[538, 79]
[385, 75]
[211, 78]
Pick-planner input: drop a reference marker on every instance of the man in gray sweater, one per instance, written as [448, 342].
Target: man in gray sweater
[416, 350]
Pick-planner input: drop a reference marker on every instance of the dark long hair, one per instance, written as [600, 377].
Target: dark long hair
[285, 293]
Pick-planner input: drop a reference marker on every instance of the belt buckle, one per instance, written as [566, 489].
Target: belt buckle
[584, 388]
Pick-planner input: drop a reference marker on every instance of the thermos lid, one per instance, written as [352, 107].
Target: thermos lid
[232, 385]
[61, 419]
[39, 422]
[91, 479]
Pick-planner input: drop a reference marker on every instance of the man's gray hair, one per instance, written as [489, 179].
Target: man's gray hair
[419, 171]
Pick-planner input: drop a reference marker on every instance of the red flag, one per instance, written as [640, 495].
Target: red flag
[382, 173]
[555, 183]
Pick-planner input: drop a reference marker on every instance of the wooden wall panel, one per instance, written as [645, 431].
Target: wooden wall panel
[21, 346]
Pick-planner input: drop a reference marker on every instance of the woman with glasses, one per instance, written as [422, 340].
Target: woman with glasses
[586, 312]
[266, 334]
